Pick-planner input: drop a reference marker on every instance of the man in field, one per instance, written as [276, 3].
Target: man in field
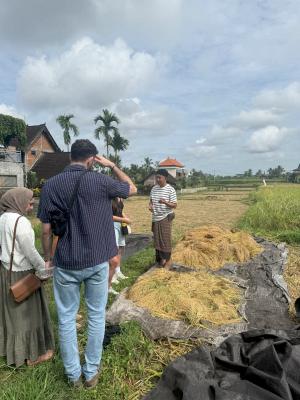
[163, 201]
[82, 253]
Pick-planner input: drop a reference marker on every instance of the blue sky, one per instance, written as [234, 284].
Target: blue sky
[215, 84]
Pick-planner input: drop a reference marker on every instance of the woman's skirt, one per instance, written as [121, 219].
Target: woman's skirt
[25, 328]
[162, 234]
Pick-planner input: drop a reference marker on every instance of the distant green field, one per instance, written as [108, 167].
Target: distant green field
[274, 212]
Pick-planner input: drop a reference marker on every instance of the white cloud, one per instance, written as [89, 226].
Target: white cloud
[154, 22]
[256, 118]
[220, 134]
[202, 150]
[88, 76]
[286, 99]
[201, 140]
[267, 139]
[136, 118]
[10, 110]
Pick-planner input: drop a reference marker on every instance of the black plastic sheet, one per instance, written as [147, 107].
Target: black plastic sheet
[254, 365]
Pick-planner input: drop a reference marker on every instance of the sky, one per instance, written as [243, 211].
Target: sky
[214, 84]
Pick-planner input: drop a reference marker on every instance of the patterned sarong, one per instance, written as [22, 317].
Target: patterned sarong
[162, 234]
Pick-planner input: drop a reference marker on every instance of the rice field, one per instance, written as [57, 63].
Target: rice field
[132, 363]
[274, 212]
[193, 210]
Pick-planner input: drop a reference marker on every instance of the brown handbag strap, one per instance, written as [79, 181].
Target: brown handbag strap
[13, 249]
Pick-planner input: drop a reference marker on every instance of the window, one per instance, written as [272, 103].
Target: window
[8, 181]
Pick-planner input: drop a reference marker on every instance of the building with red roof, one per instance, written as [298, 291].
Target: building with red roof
[173, 166]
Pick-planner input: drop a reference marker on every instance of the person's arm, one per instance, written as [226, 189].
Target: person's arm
[47, 241]
[150, 207]
[26, 243]
[168, 203]
[172, 201]
[118, 173]
[121, 219]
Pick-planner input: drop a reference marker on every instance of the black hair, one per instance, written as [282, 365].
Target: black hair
[162, 172]
[82, 149]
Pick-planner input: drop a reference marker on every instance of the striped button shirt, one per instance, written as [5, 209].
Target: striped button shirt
[168, 193]
[89, 239]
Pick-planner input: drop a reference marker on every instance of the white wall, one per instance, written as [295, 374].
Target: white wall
[11, 169]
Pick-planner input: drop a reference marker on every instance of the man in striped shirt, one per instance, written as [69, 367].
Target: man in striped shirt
[83, 251]
[163, 201]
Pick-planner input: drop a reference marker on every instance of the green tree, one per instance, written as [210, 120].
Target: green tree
[65, 123]
[277, 172]
[248, 173]
[12, 128]
[116, 159]
[107, 119]
[118, 143]
[148, 165]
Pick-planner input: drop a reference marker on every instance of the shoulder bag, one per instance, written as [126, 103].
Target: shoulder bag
[59, 219]
[26, 286]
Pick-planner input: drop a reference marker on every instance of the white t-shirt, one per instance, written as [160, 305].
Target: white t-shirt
[25, 254]
[168, 193]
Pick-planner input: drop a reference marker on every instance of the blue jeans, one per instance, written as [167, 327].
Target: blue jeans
[67, 297]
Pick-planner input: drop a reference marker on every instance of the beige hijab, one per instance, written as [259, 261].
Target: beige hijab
[16, 200]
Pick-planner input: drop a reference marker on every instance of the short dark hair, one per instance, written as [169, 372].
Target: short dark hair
[82, 149]
[162, 172]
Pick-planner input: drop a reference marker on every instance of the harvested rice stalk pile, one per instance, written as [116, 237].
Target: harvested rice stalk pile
[212, 247]
[199, 298]
[292, 275]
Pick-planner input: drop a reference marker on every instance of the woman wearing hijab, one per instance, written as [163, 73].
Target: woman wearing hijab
[25, 328]
[163, 201]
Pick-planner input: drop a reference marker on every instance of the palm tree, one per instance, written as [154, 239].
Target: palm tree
[107, 118]
[148, 165]
[118, 143]
[67, 126]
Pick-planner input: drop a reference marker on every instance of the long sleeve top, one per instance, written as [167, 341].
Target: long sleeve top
[26, 256]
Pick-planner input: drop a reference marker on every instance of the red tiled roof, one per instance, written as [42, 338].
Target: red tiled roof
[171, 162]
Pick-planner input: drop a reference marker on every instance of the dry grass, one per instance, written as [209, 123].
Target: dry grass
[164, 352]
[194, 210]
[199, 298]
[292, 275]
[213, 247]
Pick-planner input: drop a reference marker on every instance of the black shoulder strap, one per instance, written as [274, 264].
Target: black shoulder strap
[76, 190]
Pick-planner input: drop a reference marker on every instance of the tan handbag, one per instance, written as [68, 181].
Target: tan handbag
[26, 286]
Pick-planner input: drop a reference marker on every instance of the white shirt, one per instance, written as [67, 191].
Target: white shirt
[161, 211]
[26, 256]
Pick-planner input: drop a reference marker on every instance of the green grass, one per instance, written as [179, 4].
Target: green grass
[129, 363]
[274, 212]
[126, 361]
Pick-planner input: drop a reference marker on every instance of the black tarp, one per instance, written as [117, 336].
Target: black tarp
[254, 365]
[264, 305]
[135, 243]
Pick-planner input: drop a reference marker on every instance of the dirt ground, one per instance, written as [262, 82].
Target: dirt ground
[193, 210]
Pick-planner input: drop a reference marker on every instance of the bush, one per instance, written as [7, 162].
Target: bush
[32, 180]
[36, 192]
